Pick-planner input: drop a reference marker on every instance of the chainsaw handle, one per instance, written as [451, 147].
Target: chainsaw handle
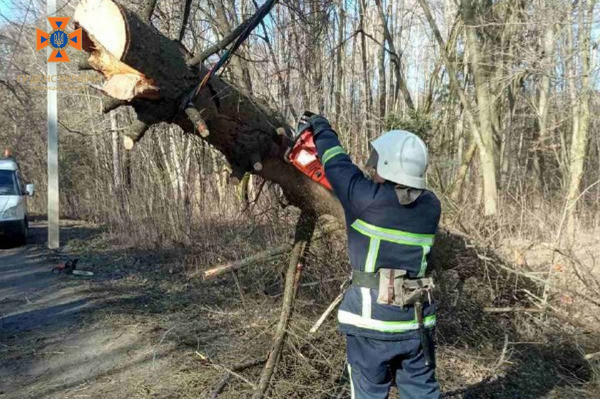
[303, 124]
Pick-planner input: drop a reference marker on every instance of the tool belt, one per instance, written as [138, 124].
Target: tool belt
[394, 287]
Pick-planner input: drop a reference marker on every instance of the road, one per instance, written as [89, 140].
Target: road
[51, 346]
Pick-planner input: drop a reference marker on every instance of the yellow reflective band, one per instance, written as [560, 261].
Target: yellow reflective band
[372, 255]
[332, 152]
[346, 317]
[352, 394]
[366, 302]
[396, 236]
[426, 250]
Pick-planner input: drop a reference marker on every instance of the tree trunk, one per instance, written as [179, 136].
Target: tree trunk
[116, 164]
[339, 62]
[238, 66]
[547, 65]
[365, 65]
[487, 158]
[580, 135]
[400, 84]
[381, 83]
[240, 128]
[487, 148]
[462, 172]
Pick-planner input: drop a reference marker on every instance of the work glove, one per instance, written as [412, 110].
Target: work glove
[319, 125]
[303, 124]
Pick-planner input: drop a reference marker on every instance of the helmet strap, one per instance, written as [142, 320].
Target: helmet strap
[407, 195]
[371, 165]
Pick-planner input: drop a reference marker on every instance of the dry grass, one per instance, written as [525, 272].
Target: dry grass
[232, 319]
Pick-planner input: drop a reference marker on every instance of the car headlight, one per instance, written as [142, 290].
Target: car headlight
[11, 213]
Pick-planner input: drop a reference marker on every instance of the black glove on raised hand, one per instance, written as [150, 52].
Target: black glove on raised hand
[320, 124]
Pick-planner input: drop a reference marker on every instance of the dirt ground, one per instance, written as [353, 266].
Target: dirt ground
[142, 327]
[51, 345]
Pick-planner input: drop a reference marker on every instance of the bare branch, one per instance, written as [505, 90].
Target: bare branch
[186, 17]
[227, 40]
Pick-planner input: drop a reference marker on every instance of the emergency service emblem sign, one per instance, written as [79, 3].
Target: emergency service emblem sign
[58, 39]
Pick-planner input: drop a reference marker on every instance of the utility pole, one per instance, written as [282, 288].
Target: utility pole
[53, 197]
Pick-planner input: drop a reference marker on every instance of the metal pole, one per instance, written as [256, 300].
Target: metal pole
[53, 198]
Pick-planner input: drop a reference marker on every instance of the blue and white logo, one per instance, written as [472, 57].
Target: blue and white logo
[58, 39]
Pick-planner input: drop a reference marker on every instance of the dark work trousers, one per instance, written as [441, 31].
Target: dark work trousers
[372, 363]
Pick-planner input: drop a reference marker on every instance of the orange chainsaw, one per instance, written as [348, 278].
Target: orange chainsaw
[303, 153]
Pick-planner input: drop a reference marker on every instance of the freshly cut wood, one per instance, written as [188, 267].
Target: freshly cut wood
[256, 258]
[121, 47]
[94, 16]
[127, 86]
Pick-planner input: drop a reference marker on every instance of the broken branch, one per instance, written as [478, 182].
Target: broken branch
[239, 367]
[256, 258]
[330, 308]
[135, 133]
[110, 104]
[198, 122]
[512, 309]
[304, 231]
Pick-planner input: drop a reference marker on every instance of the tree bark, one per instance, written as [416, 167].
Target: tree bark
[490, 187]
[488, 152]
[579, 141]
[241, 127]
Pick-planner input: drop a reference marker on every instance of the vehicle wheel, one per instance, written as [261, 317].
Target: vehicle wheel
[22, 237]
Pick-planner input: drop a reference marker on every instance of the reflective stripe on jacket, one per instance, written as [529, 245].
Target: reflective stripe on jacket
[381, 233]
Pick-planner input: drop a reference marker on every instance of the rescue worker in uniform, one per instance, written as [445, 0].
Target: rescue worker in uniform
[388, 312]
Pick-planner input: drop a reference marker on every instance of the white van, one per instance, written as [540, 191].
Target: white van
[13, 201]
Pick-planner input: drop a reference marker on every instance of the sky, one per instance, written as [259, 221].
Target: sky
[14, 11]
[6, 11]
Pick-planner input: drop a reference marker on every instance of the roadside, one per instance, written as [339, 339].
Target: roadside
[136, 329]
[50, 346]
[144, 327]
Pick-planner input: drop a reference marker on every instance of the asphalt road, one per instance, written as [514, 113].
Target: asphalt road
[36, 308]
[55, 339]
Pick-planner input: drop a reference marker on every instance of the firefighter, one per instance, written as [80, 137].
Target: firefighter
[388, 313]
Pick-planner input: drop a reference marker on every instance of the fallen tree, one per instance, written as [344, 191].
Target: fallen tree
[155, 75]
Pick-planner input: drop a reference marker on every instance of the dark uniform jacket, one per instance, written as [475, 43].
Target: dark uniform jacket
[381, 234]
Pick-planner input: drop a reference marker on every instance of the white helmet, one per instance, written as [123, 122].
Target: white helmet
[402, 158]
